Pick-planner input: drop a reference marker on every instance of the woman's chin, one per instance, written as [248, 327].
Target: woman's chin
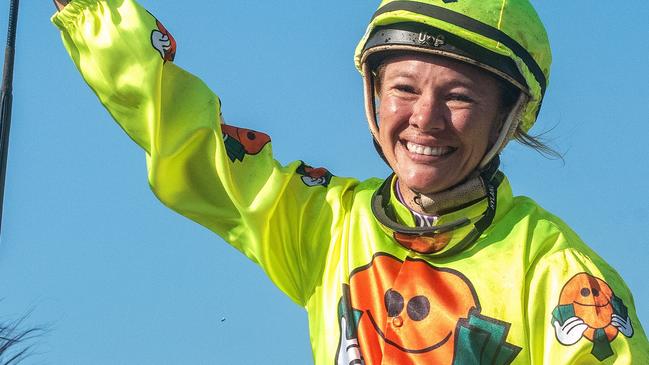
[430, 178]
[425, 184]
[425, 178]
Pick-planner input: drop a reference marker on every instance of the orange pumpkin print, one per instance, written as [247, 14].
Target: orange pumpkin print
[591, 299]
[418, 308]
[589, 309]
[240, 141]
[410, 312]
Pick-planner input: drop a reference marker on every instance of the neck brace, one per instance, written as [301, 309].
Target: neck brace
[454, 198]
[465, 193]
[455, 232]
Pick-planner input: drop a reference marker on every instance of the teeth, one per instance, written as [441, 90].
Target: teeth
[427, 150]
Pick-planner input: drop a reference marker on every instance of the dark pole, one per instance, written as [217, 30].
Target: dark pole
[7, 96]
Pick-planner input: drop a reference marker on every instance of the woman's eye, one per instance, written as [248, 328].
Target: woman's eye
[405, 88]
[460, 97]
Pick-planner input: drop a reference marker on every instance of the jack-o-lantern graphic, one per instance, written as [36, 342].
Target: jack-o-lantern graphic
[240, 142]
[589, 308]
[410, 312]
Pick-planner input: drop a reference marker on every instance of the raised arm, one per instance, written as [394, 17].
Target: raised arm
[220, 176]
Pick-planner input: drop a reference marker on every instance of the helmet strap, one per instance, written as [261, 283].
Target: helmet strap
[370, 109]
[370, 102]
[507, 130]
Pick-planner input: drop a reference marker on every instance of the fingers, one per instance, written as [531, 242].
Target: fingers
[161, 42]
[623, 325]
[579, 329]
[618, 321]
[574, 323]
[350, 351]
[571, 331]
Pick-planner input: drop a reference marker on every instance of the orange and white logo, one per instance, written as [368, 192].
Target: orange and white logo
[589, 309]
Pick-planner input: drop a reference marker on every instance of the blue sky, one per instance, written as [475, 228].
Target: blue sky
[119, 279]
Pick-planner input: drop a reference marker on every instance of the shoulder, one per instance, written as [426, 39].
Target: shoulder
[581, 303]
[550, 246]
[368, 186]
[545, 232]
[361, 197]
[555, 253]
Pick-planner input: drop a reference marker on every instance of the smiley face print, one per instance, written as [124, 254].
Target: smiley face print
[410, 312]
[591, 300]
[588, 308]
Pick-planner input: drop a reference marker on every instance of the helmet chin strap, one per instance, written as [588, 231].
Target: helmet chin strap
[473, 187]
[370, 104]
[507, 130]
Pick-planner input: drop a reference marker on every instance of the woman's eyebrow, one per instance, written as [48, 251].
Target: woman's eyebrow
[467, 83]
[402, 73]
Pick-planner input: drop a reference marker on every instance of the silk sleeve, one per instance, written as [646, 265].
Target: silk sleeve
[580, 311]
[284, 218]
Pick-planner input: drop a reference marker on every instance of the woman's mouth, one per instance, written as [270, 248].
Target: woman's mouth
[436, 151]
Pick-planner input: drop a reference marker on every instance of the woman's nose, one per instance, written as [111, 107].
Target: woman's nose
[429, 113]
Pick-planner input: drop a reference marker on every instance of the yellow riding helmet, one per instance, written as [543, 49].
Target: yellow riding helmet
[505, 38]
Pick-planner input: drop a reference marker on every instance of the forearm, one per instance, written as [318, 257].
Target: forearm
[128, 65]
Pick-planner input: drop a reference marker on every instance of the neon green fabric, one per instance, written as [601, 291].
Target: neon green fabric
[515, 296]
[515, 18]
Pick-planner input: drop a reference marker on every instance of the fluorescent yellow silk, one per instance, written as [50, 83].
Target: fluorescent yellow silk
[503, 300]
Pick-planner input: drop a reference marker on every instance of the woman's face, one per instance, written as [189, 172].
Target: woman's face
[437, 118]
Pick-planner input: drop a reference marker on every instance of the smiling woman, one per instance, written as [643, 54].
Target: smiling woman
[438, 116]
[437, 264]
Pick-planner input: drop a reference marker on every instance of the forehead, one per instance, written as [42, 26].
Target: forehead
[420, 66]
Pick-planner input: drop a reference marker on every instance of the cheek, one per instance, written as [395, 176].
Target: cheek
[388, 108]
[473, 128]
[393, 117]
